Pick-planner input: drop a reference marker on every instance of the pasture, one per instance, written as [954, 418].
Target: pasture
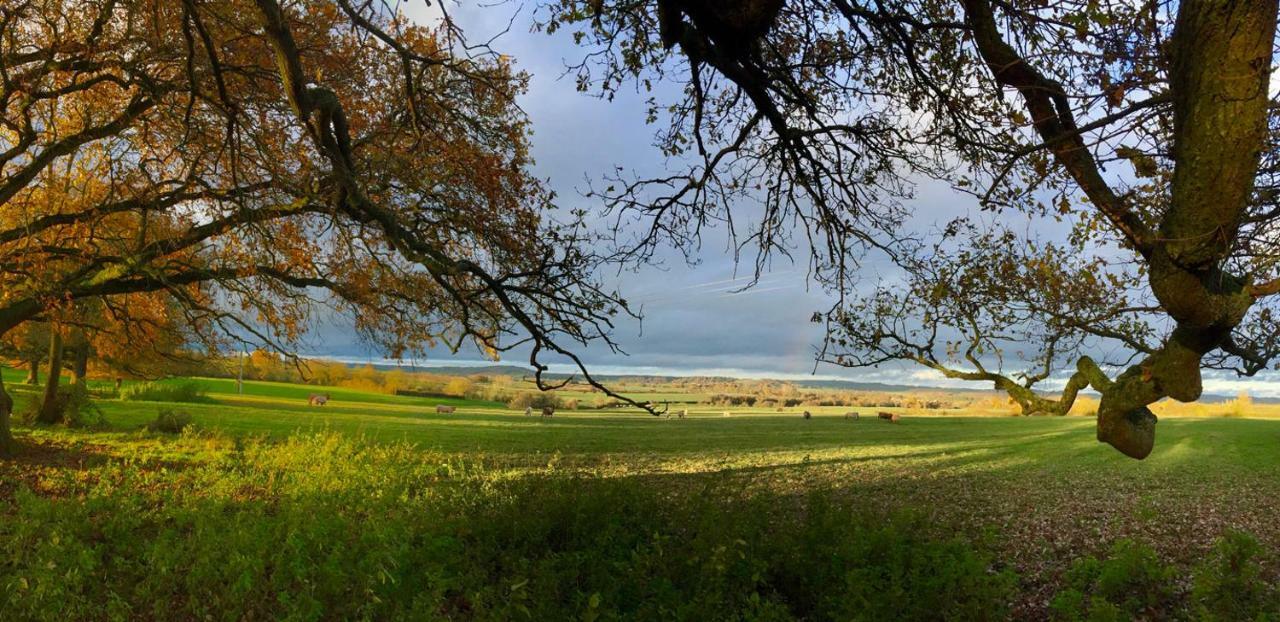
[990, 516]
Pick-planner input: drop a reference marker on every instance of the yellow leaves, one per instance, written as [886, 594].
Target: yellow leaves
[1143, 164]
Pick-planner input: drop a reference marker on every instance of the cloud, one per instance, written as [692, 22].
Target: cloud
[697, 318]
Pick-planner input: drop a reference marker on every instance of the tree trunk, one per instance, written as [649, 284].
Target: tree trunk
[80, 364]
[7, 444]
[51, 408]
[1219, 82]
[33, 371]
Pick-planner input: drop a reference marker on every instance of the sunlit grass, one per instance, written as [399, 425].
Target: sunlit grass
[1045, 485]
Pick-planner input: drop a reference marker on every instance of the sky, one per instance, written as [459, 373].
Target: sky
[697, 319]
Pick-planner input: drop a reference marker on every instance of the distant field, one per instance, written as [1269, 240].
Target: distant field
[1045, 489]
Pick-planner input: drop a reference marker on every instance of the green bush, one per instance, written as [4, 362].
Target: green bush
[1131, 583]
[170, 421]
[164, 392]
[73, 401]
[320, 527]
[1229, 584]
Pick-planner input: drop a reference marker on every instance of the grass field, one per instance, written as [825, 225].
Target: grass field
[1027, 497]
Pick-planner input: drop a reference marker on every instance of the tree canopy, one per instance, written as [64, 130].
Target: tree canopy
[1142, 132]
[252, 160]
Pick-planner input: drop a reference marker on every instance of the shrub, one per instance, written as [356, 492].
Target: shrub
[1242, 406]
[1229, 584]
[1131, 583]
[74, 404]
[489, 394]
[458, 387]
[187, 391]
[529, 399]
[169, 421]
[79, 411]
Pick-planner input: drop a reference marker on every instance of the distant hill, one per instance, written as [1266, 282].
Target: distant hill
[520, 372]
[850, 385]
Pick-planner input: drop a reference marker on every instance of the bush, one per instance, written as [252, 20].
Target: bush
[489, 394]
[1229, 584]
[1242, 406]
[74, 403]
[1131, 583]
[529, 399]
[458, 387]
[170, 421]
[187, 391]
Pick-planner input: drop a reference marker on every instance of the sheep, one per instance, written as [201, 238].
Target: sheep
[445, 410]
[681, 413]
[853, 414]
[318, 399]
[548, 411]
[528, 411]
[890, 417]
[807, 415]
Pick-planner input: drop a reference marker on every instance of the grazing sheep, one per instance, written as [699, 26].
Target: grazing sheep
[681, 413]
[890, 417]
[445, 410]
[728, 414]
[807, 415]
[853, 414]
[318, 399]
[547, 411]
[528, 411]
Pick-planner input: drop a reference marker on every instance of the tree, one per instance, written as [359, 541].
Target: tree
[51, 405]
[29, 344]
[252, 160]
[1135, 140]
[458, 387]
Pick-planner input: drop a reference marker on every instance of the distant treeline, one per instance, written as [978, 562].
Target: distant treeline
[519, 392]
[836, 398]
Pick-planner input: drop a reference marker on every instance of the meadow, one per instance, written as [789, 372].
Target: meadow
[376, 507]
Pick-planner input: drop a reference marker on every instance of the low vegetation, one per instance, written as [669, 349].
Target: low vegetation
[170, 421]
[324, 526]
[250, 504]
[183, 391]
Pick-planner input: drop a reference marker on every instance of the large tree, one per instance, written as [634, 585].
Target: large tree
[1123, 153]
[251, 159]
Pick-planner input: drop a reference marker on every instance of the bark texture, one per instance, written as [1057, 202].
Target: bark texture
[1218, 84]
[6, 412]
[79, 362]
[1221, 68]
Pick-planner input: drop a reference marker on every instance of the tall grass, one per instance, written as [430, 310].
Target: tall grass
[321, 527]
[185, 391]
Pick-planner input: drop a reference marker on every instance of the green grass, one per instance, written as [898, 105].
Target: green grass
[589, 499]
